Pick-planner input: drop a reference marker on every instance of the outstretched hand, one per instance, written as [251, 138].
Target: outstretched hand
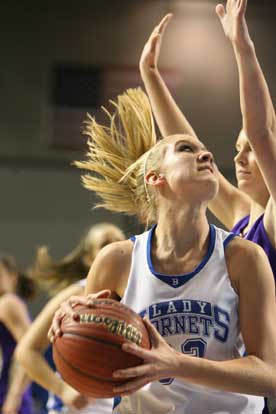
[233, 22]
[161, 361]
[150, 54]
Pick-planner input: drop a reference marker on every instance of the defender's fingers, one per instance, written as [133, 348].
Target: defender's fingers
[164, 23]
[220, 11]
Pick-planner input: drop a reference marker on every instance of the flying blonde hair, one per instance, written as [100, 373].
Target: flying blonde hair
[119, 156]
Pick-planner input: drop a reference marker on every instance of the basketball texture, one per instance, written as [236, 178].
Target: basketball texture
[90, 349]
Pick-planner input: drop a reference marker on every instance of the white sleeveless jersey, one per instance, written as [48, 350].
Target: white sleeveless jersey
[197, 314]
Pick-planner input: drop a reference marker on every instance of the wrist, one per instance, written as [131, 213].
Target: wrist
[188, 367]
[60, 389]
[246, 48]
[149, 72]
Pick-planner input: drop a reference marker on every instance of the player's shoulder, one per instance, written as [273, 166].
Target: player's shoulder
[244, 260]
[10, 305]
[110, 269]
[10, 300]
[116, 252]
[240, 248]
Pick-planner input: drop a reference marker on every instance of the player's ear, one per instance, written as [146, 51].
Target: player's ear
[154, 178]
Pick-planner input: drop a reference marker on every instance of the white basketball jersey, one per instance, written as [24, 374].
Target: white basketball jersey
[197, 314]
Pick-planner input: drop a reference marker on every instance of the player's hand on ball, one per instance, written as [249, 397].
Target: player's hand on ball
[161, 361]
[67, 309]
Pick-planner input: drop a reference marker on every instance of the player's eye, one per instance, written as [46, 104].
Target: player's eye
[185, 148]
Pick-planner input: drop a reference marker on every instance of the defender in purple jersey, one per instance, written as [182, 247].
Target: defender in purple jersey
[256, 144]
[15, 395]
[249, 209]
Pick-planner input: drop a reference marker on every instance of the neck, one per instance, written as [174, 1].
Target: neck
[180, 233]
[255, 211]
[259, 200]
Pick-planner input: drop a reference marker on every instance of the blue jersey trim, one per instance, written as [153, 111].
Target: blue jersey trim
[116, 402]
[179, 280]
[132, 238]
[54, 403]
[228, 239]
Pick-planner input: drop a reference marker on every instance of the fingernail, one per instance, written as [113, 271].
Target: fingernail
[90, 303]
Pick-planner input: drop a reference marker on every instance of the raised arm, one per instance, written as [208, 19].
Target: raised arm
[35, 342]
[230, 204]
[169, 117]
[258, 114]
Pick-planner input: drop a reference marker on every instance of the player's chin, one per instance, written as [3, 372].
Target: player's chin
[209, 188]
[246, 187]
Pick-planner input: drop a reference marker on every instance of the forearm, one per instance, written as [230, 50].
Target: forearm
[256, 105]
[168, 116]
[248, 375]
[18, 384]
[41, 372]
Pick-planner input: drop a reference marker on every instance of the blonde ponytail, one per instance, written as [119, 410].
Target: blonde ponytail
[117, 154]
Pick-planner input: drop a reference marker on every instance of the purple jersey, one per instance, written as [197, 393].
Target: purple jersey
[258, 235]
[7, 345]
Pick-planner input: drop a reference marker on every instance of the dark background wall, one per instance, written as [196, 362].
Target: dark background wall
[41, 197]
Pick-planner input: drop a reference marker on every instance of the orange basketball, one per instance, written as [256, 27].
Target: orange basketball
[90, 349]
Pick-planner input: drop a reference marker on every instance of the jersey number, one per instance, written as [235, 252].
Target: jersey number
[194, 347]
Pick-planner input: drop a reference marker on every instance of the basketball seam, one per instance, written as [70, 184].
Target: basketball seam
[81, 372]
[68, 334]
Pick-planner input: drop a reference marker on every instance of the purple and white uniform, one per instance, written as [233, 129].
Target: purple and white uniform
[7, 346]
